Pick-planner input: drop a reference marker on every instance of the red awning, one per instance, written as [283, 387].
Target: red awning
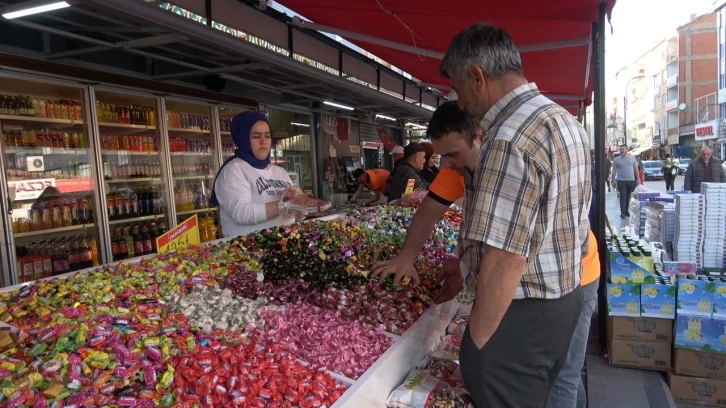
[564, 73]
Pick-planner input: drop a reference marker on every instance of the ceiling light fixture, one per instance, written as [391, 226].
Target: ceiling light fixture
[32, 7]
[385, 117]
[416, 126]
[299, 124]
[337, 105]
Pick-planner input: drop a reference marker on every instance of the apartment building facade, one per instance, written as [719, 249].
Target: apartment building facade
[696, 107]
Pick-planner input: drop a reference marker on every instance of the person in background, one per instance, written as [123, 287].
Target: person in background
[397, 154]
[408, 168]
[625, 172]
[641, 170]
[608, 171]
[375, 180]
[670, 171]
[248, 188]
[448, 187]
[705, 169]
[525, 225]
[430, 170]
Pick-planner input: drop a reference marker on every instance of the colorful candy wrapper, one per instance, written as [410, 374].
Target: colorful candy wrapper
[150, 377]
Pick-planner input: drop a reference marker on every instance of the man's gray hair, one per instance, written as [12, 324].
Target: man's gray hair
[485, 45]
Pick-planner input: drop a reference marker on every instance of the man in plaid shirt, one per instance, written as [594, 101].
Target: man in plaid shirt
[525, 229]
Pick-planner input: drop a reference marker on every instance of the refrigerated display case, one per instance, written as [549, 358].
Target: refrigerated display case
[135, 195]
[47, 158]
[194, 162]
[226, 113]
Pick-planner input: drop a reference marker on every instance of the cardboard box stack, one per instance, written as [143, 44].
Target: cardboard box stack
[714, 243]
[641, 306]
[689, 236]
[638, 213]
[660, 224]
[700, 342]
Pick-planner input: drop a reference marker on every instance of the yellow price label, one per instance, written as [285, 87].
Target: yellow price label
[409, 186]
[183, 235]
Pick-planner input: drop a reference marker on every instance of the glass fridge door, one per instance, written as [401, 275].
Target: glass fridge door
[47, 163]
[193, 161]
[134, 187]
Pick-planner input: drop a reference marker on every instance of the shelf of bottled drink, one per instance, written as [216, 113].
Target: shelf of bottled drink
[156, 157]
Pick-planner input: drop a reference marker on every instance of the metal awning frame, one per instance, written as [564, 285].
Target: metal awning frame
[148, 31]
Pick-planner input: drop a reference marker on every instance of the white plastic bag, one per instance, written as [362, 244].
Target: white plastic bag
[641, 189]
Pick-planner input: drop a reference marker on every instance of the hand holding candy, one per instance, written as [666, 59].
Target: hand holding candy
[400, 266]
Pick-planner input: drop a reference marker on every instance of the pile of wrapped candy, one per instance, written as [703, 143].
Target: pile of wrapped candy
[279, 318]
[436, 381]
[394, 221]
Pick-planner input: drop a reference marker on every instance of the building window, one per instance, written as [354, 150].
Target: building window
[664, 75]
[657, 102]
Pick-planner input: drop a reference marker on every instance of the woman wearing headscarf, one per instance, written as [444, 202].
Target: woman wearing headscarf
[248, 188]
[430, 170]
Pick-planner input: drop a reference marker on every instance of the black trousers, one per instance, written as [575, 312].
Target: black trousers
[519, 364]
[670, 181]
[625, 189]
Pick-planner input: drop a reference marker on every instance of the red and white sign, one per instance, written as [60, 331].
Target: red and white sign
[386, 138]
[707, 131]
[339, 128]
[30, 189]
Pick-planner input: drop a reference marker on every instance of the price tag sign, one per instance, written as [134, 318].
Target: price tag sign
[184, 234]
[409, 186]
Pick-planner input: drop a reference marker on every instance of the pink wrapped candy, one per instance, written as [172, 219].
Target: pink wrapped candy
[325, 338]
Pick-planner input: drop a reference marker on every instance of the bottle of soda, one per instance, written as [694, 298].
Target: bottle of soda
[154, 232]
[111, 206]
[57, 260]
[93, 246]
[85, 255]
[143, 202]
[129, 243]
[146, 238]
[156, 202]
[73, 255]
[83, 210]
[138, 241]
[134, 204]
[162, 228]
[114, 246]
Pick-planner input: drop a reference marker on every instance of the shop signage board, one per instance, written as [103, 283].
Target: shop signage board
[722, 129]
[30, 189]
[708, 130]
[339, 128]
[183, 235]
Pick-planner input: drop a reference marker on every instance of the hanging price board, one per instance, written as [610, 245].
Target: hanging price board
[409, 186]
[183, 235]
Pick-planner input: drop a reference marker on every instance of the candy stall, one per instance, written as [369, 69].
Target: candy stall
[278, 318]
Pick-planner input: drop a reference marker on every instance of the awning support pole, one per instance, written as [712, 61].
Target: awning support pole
[600, 177]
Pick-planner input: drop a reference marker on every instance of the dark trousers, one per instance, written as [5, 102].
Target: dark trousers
[670, 181]
[625, 189]
[519, 364]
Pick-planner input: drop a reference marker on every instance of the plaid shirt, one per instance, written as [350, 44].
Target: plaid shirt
[529, 195]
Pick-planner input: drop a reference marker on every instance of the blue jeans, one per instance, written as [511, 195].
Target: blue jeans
[568, 390]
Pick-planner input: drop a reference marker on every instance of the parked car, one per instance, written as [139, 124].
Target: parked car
[683, 165]
[653, 170]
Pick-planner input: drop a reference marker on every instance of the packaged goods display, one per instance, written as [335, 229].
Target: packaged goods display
[714, 243]
[25, 105]
[271, 319]
[689, 236]
[187, 121]
[130, 114]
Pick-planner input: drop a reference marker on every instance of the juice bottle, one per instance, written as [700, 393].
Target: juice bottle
[125, 142]
[67, 217]
[129, 243]
[94, 249]
[46, 219]
[35, 222]
[203, 236]
[56, 215]
[211, 229]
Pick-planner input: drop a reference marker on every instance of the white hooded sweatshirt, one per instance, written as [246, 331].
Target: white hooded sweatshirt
[243, 191]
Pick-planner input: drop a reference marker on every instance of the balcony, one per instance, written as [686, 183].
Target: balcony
[671, 56]
[672, 104]
[672, 80]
